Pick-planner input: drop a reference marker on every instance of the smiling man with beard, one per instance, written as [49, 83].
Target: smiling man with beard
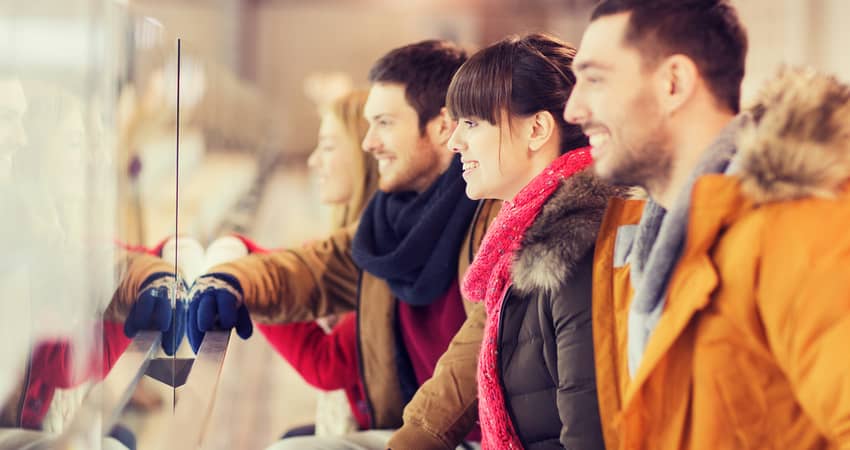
[399, 268]
[721, 305]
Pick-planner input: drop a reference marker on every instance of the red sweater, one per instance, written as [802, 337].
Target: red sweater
[326, 361]
[51, 365]
[51, 368]
[427, 330]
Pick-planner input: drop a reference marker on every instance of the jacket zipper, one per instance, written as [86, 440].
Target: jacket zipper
[499, 373]
[370, 410]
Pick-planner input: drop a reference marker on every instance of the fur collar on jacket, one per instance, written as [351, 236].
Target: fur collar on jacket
[562, 234]
[796, 141]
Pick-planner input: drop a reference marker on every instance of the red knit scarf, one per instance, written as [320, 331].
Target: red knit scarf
[489, 277]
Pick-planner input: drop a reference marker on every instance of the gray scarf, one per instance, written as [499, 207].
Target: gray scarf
[658, 244]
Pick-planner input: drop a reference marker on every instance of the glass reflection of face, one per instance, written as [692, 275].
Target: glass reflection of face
[64, 167]
[332, 161]
[13, 106]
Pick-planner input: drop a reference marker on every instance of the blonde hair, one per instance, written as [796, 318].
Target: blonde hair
[348, 109]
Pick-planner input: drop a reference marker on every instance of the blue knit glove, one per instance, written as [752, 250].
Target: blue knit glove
[216, 304]
[173, 337]
[152, 311]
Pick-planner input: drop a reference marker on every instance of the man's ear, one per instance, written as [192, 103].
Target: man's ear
[677, 80]
[440, 128]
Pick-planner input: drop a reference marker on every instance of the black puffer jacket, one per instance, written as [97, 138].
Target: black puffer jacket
[545, 336]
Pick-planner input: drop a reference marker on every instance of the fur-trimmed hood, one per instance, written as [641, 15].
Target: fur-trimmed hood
[795, 141]
[562, 233]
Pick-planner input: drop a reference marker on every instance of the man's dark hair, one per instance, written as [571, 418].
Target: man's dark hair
[425, 69]
[707, 31]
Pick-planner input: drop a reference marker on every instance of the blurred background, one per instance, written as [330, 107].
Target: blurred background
[88, 162]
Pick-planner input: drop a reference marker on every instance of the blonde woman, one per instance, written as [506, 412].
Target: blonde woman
[347, 175]
[327, 357]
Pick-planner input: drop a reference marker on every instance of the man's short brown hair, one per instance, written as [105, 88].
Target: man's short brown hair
[707, 31]
[425, 69]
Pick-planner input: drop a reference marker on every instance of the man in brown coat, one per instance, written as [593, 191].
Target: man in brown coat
[399, 268]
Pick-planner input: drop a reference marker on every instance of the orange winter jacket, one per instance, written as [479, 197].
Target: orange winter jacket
[752, 348]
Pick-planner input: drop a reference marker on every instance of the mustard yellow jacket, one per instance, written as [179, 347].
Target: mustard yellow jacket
[751, 350]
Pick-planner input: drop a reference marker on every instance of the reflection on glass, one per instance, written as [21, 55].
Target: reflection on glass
[71, 270]
[87, 188]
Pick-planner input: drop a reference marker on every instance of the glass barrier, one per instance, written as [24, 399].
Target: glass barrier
[79, 96]
[93, 190]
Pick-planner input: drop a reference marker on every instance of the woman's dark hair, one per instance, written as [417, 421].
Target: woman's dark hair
[520, 76]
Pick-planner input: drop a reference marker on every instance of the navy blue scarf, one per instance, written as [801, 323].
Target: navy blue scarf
[412, 240]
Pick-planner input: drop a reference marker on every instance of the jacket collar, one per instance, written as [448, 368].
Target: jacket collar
[563, 232]
[795, 142]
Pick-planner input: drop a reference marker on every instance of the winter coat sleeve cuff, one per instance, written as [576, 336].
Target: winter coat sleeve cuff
[411, 436]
